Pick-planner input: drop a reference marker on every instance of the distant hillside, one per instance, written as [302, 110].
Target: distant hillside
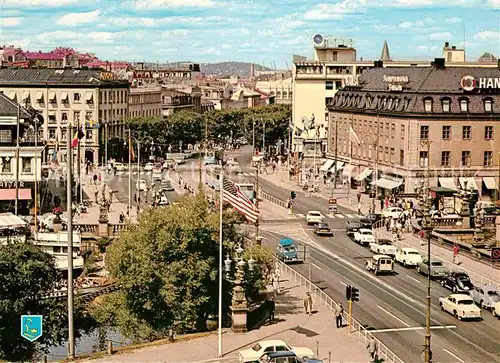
[240, 69]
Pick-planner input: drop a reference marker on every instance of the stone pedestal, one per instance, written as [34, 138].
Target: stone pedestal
[239, 310]
[103, 221]
[57, 224]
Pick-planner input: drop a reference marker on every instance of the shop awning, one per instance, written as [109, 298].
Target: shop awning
[39, 96]
[89, 96]
[26, 96]
[52, 97]
[490, 182]
[364, 174]
[447, 183]
[471, 183]
[348, 170]
[64, 96]
[9, 220]
[387, 184]
[12, 95]
[338, 164]
[326, 165]
[10, 194]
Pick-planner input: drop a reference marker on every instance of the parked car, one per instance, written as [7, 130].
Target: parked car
[438, 269]
[380, 264]
[166, 185]
[141, 185]
[364, 236]
[286, 357]
[458, 282]
[370, 219]
[313, 217]
[268, 346]
[149, 167]
[383, 247]
[461, 306]
[485, 296]
[352, 226]
[408, 257]
[323, 229]
[392, 212]
[119, 167]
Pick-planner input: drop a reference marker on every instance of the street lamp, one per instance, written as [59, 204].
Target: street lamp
[373, 192]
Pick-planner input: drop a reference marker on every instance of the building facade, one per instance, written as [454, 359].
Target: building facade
[92, 99]
[412, 123]
[281, 88]
[145, 102]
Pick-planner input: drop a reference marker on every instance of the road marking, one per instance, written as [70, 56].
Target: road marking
[343, 283]
[339, 216]
[313, 264]
[359, 216]
[300, 215]
[349, 215]
[413, 328]
[414, 279]
[453, 355]
[394, 316]
[330, 215]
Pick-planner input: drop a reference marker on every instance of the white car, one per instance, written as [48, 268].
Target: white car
[157, 174]
[141, 185]
[314, 217]
[163, 200]
[485, 296]
[119, 167]
[408, 257]
[149, 167]
[495, 309]
[392, 212]
[383, 247]
[266, 346]
[461, 306]
[364, 236]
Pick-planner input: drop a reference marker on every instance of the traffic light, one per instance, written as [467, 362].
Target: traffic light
[348, 292]
[293, 195]
[354, 294]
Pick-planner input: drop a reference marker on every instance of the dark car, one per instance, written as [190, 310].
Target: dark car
[458, 282]
[166, 186]
[286, 356]
[323, 229]
[370, 219]
[352, 226]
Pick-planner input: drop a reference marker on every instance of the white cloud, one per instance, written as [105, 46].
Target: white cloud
[75, 19]
[426, 48]
[30, 3]
[406, 24]
[454, 20]
[8, 22]
[494, 3]
[488, 36]
[441, 36]
[167, 21]
[333, 11]
[154, 4]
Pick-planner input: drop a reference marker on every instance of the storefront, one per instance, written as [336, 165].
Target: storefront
[8, 196]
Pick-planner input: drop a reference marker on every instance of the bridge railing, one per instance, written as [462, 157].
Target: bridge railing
[272, 199]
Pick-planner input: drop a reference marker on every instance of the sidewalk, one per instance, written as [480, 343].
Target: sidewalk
[292, 325]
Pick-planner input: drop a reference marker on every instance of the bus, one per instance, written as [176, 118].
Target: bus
[212, 157]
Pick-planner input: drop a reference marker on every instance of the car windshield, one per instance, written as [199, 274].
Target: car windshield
[413, 253]
[257, 347]
[463, 278]
[493, 294]
[355, 225]
[366, 232]
[323, 225]
[465, 302]
[384, 242]
[437, 263]
[314, 214]
[289, 249]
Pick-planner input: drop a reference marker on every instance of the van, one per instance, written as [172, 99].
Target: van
[380, 264]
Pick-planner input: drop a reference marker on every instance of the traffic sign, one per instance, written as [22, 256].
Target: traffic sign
[495, 253]
[31, 327]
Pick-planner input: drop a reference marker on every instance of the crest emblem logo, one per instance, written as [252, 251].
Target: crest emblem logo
[31, 327]
[468, 83]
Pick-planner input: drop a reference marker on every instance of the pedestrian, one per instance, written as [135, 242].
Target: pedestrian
[272, 308]
[372, 349]
[308, 303]
[456, 250]
[100, 178]
[359, 197]
[96, 194]
[359, 208]
[339, 310]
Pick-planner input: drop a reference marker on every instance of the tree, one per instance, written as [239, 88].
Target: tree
[167, 268]
[25, 273]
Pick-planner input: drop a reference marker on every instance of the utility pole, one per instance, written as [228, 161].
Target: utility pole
[257, 239]
[78, 168]
[336, 154]
[69, 191]
[289, 149]
[17, 159]
[36, 177]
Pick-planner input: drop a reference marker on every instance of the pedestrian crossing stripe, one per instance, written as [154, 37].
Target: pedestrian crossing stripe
[339, 216]
[349, 215]
[300, 215]
[333, 216]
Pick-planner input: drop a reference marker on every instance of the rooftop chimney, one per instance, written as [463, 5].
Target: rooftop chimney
[378, 64]
[446, 44]
[438, 63]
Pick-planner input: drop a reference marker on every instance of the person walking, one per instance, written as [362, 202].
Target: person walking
[308, 303]
[359, 208]
[272, 308]
[372, 349]
[339, 310]
[456, 250]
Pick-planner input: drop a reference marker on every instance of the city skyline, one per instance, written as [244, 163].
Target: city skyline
[209, 31]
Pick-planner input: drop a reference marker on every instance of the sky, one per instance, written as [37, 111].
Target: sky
[266, 32]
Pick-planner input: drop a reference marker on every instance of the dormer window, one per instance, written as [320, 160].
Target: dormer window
[445, 104]
[428, 105]
[396, 103]
[464, 105]
[368, 101]
[389, 104]
[488, 105]
[384, 102]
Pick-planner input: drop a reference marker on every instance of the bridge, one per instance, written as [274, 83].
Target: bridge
[88, 294]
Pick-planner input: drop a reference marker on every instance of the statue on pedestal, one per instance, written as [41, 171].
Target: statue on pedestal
[104, 205]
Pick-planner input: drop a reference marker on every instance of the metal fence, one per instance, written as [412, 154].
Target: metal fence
[272, 199]
[477, 278]
[383, 352]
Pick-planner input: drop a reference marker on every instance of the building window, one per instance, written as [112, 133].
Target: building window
[76, 116]
[466, 132]
[392, 154]
[52, 119]
[386, 156]
[5, 164]
[402, 132]
[5, 136]
[445, 103]
[76, 97]
[88, 135]
[393, 130]
[387, 128]
[446, 132]
[424, 159]
[63, 134]
[466, 158]
[464, 105]
[64, 117]
[428, 105]
[26, 167]
[334, 56]
[488, 105]
[328, 100]
[488, 158]
[424, 132]
[488, 132]
[401, 157]
[445, 158]
[88, 115]
[338, 84]
[329, 85]
[52, 134]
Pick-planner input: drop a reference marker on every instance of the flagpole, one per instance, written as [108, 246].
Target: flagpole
[129, 174]
[221, 195]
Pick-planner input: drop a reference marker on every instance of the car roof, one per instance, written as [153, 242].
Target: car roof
[281, 354]
[365, 230]
[314, 211]
[410, 249]
[376, 257]
[272, 342]
[461, 296]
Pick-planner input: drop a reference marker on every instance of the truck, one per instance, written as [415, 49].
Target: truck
[286, 251]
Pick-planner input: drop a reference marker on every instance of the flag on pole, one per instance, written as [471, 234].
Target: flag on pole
[239, 201]
[131, 151]
[353, 137]
[79, 134]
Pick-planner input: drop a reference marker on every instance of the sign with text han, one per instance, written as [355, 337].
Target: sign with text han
[31, 327]
[395, 83]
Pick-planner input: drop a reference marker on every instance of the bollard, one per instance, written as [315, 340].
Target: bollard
[110, 347]
[329, 356]
[317, 348]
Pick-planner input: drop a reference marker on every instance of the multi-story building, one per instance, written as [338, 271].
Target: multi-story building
[28, 162]
[280, 88]
[174, 101]
[142, 76]
[413, 122]
[334, 66]
[145, 102]
[92, 99]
